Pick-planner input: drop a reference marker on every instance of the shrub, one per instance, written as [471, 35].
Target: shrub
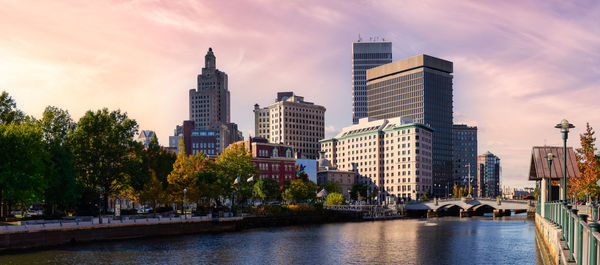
[335, 199]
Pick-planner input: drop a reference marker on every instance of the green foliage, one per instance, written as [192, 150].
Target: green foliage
[335, 198]
[424, 197]
[101, 144]
[266, 189]
[153, 192]
[23, 159]
[61, 194]
[332, 186]
[233, 162]
[300, 191]
[358, 191]
[8, 110]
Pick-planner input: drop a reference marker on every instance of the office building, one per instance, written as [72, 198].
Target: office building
[464, 155]
[488, 175]
[394, 155]
[418, 88]
[365, 55]
[292, 121]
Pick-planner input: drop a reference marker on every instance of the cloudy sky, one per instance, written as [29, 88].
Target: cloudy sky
[520, 66]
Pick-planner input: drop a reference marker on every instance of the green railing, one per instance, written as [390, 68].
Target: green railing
[579, 235]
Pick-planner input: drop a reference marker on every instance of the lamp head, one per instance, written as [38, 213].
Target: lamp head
[550, 156]
[564, 126]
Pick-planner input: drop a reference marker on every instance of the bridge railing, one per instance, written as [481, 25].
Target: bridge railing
[580, 233]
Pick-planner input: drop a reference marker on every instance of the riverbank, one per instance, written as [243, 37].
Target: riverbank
[60, 234]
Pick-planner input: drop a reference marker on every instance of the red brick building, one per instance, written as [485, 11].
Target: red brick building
[274, 161]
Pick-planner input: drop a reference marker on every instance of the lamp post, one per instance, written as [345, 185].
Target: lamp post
[183, 206]
[564, 127]
[550, 156]
[99, 205]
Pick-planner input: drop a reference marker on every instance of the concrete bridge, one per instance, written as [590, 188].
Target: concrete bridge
[471, 206]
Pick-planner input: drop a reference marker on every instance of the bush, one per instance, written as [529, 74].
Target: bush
[335, 199]
[128, 211]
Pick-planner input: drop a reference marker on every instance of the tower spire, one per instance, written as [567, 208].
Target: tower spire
[209, 60]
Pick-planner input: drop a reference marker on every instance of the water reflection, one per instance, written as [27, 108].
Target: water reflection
[440, 241]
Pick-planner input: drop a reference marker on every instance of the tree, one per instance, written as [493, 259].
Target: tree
[101, 144]
[335, 198]
[455, 191]
[300, 191]
[358, 191]
[589, 167]
[332, 186]
[153, 192]
[23, 159]
[184, 174]
[8, 109]
[61, 193]
[159, 160]
[266, 189]
[235, 161]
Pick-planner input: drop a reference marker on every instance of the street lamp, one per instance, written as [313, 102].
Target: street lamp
[183, 206]
[550, 156]
[564, 127]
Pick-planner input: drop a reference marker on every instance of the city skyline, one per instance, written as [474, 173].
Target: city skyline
[144, 61]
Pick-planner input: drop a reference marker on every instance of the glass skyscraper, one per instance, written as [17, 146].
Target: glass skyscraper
[365, 55]
[418, 88]
[464, 149]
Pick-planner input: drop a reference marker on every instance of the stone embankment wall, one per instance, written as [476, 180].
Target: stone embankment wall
[550, 239]
[116, 231]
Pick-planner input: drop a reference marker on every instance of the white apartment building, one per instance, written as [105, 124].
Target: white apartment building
[292, 121]
[392, 155]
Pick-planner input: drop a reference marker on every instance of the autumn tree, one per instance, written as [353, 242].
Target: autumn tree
[335, 198]
[184, 175]
[153, 192]
[588, 165]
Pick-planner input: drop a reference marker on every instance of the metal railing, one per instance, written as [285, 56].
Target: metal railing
[107, 222]
[580, 235]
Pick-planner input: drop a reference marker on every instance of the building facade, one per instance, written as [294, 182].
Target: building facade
[292, 121]
[274, 161]
[418, 88]
[327, 172]
[365, 55]
[464, 155]
[392, 156]
[144, 137]
[488, 175]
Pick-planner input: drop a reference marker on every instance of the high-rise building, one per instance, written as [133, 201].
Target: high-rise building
[208, 129]
[209, 102]
[292, 121]
[365, 55]
[418, 88]
[392, 156]
[464, 153]
[488, 175]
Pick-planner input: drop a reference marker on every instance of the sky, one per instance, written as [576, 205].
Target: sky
[520, 67]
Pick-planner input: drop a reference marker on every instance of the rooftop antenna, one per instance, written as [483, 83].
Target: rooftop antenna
[359, 38]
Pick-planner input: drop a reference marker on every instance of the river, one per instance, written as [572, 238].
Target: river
[448, 240]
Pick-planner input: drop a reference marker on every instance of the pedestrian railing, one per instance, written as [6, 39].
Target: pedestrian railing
[579, 232]
[106, 222]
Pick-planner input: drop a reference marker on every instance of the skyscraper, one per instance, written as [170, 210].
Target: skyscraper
[464, 153]
[208, 129]
[418, 88]
[365, 55]
[292, 121]
[209, 102]
[488, 175]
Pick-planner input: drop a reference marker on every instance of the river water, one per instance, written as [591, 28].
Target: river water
[448, 240]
